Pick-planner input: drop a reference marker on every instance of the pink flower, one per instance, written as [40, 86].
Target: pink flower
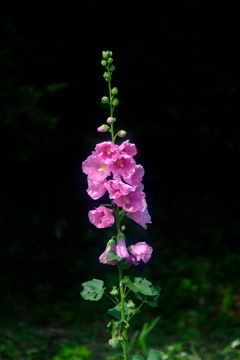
[142, 218]
[142, 251]
[95, 189]
[124, 166]
[101, 217]
[133, 201]
[126, 148]
[111, 246]
[107, 151]
[95, 168]
[121, 249]
[137, 176]
[117, 188]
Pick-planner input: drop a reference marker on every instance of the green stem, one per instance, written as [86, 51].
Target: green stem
[124, 334]
[110, 104]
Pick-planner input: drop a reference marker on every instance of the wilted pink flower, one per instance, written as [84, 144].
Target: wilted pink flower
[121, 249]
[101, 217]
[134, 201]
[142, 251]
[111, 246]
[95, 189]
[107, 151]
[117, 188]
[126, 148]
[95, 168]
[124, 166]
[131, 260]
[141, 217]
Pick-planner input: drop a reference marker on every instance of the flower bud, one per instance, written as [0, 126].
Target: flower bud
[110, 60]
[123, 228]
[103, 63]
[110, 53]
[103, 128]
[122, 133]
[111, 120]
[105, 100]
[114, 91]
[114, 291]
[115, 101]
[130, 304]
[106, 76]
[112, 68]
[105, 54]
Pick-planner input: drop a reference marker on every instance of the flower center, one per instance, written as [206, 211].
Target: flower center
[125, 200]
[108, 150]
[120, 163]
[102, 169]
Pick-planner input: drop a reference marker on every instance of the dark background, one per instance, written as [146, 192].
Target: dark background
[177, 71]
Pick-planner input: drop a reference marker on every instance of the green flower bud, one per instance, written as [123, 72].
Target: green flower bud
[112, 68]
[110, 53]
[110, 60]
[114, 291]
[130, 304]
[123, 228]
[122, 133]
[107, 76]
[103, 62]
[103, 128]
[105, 54]
[114, 91]
[105, 100]
[111, 120]
[115, 102]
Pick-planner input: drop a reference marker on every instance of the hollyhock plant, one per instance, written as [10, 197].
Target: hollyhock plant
[112, 170]
[101, 217]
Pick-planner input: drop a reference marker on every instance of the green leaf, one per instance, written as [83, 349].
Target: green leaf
[151, 300]
[140, 285]
[137, 357]
[154, 355]
[115, 312]
[93, 290]
[56, 87]
[111, 255]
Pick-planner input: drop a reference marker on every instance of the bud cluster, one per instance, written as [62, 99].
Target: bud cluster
[107, 62]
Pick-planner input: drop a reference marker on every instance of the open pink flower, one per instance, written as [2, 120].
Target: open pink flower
[121, 249]
[102, 217]
[111, 246]
[117, 188]
[141, 217]
[126, 148]
[133, 201]
[95, 168]
[95, 189]
[142, 251]
[107, 151]
[124, 166]
[137, 176]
